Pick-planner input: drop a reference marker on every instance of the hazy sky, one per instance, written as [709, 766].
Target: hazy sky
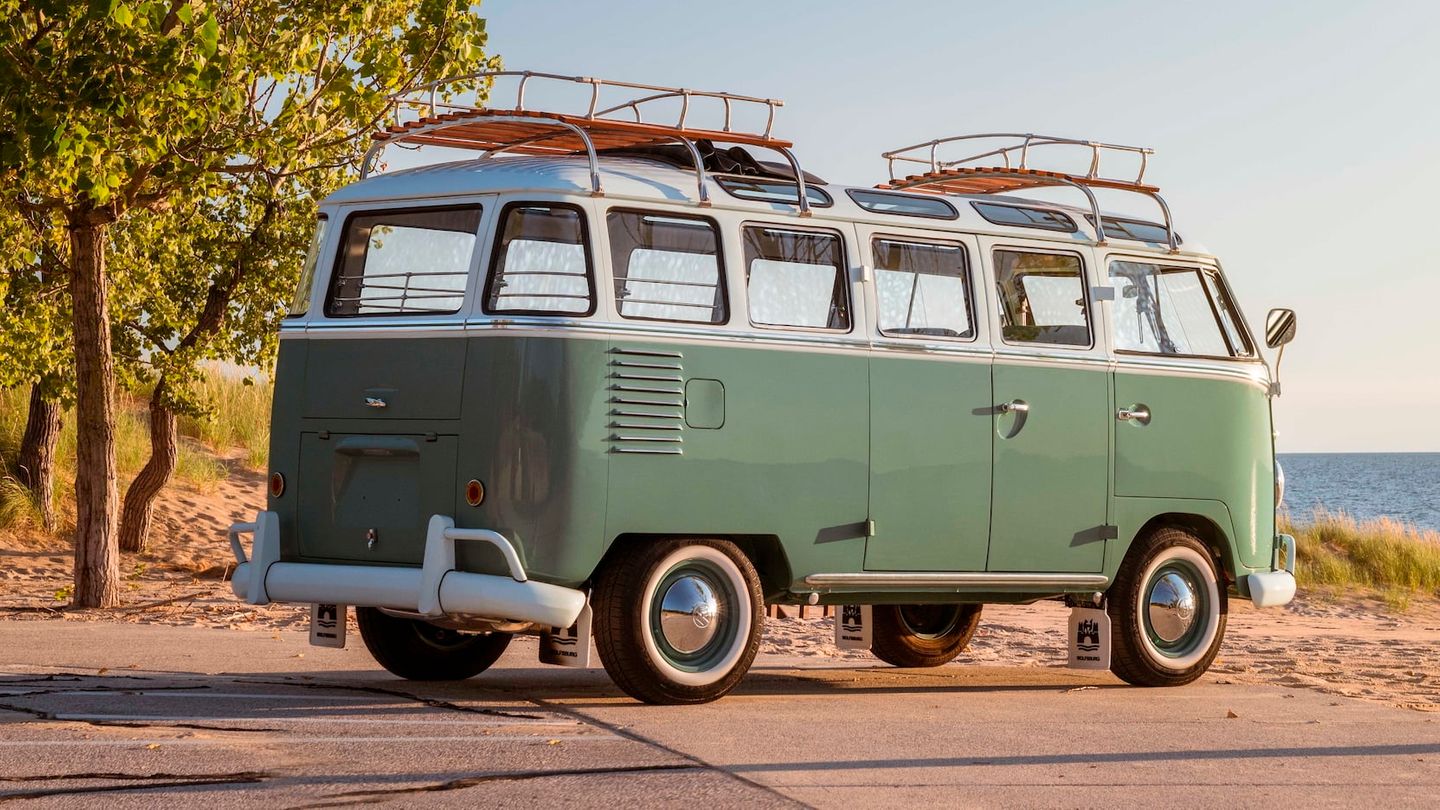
[1298, 141]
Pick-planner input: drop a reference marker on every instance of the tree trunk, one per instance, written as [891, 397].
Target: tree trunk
[37, 452]
[140, 497]
[97, 558]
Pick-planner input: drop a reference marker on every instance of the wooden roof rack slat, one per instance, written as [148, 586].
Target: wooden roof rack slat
[516, 129]
[961, 175]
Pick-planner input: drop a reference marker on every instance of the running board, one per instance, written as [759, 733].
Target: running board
[982, 581]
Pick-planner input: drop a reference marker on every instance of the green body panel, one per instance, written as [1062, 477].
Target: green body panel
[574, 437]
[930, 448]
[1132, 513]
[534, 434]
[790, 461]
[1221, 430]
[1052, 469]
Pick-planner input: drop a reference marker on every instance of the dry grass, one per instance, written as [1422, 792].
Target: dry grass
[1338, 552]
[238, 417]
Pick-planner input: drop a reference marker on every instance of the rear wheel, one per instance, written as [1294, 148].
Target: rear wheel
[922, 635]
[1167, 611]
[420, 651]
[678, 621]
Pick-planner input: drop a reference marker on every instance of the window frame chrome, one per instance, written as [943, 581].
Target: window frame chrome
[587, 243]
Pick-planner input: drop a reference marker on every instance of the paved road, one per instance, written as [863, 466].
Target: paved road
[136, 716]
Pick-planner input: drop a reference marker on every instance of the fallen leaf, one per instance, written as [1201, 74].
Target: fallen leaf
[1230, 715]
[1080, 689]
[102, 670]
[152, 746]
[552, 742]
[298, 655]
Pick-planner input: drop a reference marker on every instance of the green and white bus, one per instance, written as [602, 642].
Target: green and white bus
[628, 380]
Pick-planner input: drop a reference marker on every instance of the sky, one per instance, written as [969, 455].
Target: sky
[1299, 142]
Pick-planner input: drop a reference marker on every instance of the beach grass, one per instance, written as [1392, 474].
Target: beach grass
[237, 418]
[1339, 553]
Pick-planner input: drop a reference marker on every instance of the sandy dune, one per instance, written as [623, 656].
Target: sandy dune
[1353, 647]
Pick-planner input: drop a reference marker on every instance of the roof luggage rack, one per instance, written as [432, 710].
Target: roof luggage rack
[963, 176]
[597, 126]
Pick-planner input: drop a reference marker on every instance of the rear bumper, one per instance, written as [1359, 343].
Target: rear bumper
[435, 589]
[1277, 587]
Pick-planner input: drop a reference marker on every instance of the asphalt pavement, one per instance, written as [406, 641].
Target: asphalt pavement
[145, 715]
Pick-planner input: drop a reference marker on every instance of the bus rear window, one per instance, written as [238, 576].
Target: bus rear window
[542, 263]
[406, 262]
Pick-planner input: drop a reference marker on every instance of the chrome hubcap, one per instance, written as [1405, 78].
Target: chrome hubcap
[1172, 607]
[688, 614]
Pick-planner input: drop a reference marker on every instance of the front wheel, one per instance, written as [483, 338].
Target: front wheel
[678, 621]
[420, 651]
[922, 635]
[1167, 611]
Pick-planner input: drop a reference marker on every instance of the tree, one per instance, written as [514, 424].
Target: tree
[111, 107]
[34, 343]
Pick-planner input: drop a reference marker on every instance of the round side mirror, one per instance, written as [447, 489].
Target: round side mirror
[1279, 327]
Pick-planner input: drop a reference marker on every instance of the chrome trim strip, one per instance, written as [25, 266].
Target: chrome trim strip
[666, 439]
[630, 426]
[901, 581]
[645, 451]
[642, 414]
[660, 366]
[640, 389]
[623, 401]
[645, 353]
[648, 377]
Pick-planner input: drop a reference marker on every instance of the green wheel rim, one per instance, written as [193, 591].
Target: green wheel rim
[714, 650]
[1175, 608]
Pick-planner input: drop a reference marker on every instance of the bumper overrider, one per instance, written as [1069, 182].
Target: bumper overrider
[434, 590]
[1277, 587]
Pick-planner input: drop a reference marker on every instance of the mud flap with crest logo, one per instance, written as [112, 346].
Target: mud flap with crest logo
[853, 627]
[1089, 638]
[327, 625]
[568, 646]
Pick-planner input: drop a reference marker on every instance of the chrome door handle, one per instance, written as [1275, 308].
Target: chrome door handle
[375, 402]
[1134, 413]
[1014, 406]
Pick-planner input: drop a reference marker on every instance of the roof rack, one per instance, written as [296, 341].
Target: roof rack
[962, 175]
[493, 129]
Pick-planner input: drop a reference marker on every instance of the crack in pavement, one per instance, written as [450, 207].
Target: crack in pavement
[461, 783]
[174, 780]
[53, 717]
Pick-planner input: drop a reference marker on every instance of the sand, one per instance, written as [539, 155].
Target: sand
[1353, 646]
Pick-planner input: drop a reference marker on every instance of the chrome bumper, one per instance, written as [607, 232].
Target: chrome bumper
[435, 589]
[1277, 587]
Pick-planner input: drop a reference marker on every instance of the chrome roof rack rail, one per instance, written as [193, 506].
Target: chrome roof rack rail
[594, 126]
[968, 174]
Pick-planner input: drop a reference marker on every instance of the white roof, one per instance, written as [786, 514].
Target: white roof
[642, 179]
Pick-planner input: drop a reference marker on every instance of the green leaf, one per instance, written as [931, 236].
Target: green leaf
[122, 15]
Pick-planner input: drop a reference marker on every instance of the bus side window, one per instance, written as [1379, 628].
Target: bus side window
[541, 263]
[667, 267]
[1042, 298]
[796, 278]
[922, 289]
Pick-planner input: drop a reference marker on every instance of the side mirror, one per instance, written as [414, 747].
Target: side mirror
[1279, 327]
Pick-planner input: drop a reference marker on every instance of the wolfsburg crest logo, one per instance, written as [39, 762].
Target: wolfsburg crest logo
[1087, 630]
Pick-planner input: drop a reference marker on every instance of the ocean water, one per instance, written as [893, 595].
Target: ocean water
[1405, 486]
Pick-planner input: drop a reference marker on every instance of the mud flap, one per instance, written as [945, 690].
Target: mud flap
[853, 627]
[568, 646]
[327, 625]
[1089, 638]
